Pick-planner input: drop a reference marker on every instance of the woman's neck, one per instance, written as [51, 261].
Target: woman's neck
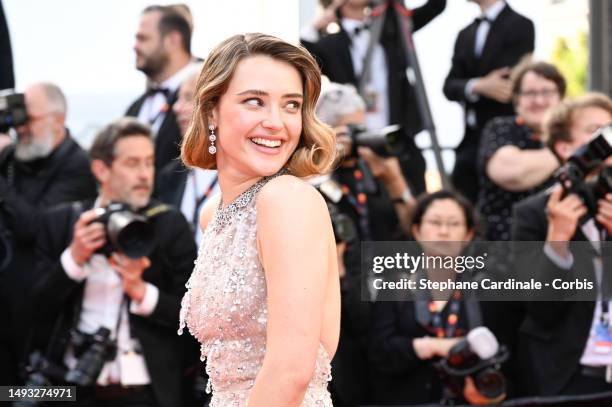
[232, 183]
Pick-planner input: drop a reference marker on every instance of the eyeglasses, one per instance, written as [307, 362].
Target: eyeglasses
[439, 223]
[545, 93]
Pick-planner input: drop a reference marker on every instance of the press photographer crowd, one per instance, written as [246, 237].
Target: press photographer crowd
[97, 244]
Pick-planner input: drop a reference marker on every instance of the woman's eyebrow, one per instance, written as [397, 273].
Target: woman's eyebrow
[263, 93]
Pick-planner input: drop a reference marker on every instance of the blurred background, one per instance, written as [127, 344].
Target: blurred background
[86, 48]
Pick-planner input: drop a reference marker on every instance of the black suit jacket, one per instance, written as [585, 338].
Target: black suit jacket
[555, 332]
[333, 54]
[334, 57]
[170, 183]
[169, 136]
[59, 298]
[510, 37]
[64, 176]
[398, 376]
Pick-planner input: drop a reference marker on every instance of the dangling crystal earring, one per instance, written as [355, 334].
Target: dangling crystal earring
[212, 149]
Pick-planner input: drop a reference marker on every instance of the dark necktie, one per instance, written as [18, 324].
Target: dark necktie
[481, 19]
[157, 89]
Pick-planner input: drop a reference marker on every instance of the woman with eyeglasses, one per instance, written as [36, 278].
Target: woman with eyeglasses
[513, 162]
[408, 337]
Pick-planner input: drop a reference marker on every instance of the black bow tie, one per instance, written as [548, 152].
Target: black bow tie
[360, 28]
[481, 19]
[157, 89]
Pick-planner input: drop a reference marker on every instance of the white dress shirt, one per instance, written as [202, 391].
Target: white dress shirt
[376, 91]
[490, 14]
[102, 298]
[198, 183]
[154, 108]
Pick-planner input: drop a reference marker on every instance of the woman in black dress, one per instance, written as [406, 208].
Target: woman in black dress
[513, 163]
[407, 337]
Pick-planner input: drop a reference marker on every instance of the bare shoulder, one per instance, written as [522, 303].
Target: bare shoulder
[207, 211]
[290, 195]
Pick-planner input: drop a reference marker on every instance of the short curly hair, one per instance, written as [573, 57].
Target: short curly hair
[316, 150]
[560, 119]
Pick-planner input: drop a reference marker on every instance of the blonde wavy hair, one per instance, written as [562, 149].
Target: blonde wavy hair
[316, 150]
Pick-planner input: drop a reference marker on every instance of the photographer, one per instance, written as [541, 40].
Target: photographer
[87, 283]
[409, 336]
[44, 167]
[560, 337]
[375, 196]
[389, 94]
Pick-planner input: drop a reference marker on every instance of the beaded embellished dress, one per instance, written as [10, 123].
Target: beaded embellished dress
[225, 307]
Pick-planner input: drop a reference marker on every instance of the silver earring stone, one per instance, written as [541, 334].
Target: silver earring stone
[212, 137]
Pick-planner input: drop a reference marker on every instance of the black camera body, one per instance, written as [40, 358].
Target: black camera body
[480, 356]
[13, 111]
[582, 162]
[127, 231]
[388, 142]
[343, 225]
[344, 228]
[92, 350]
[99, 348]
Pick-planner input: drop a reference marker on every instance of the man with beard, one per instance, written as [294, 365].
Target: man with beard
[163, 54]
[88, 283]
[45, 167]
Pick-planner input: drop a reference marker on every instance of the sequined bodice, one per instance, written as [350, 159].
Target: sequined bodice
[225, 307]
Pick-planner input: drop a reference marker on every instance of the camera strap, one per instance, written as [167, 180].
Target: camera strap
[115, 334]
[155, 211]
[448, 329]
[359, 201]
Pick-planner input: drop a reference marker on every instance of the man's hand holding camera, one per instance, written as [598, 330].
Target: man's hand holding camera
[387, 170]
[604, 212]
[563, 217]
[131, 271]
[89, 236]
[328, 15]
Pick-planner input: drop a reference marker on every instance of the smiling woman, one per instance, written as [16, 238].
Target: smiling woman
[264, 297]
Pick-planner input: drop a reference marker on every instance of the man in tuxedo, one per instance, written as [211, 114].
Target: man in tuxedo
[484, 52]
[559, 337]
[44, 167]
[186, 188]
[389, 95]
[87, 283]
[163, 54]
